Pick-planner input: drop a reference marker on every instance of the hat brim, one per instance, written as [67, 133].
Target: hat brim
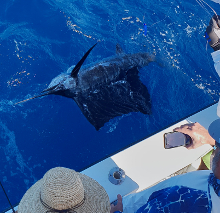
[214, 131]
[96, 198]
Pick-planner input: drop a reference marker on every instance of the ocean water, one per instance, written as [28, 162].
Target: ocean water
[41, 39]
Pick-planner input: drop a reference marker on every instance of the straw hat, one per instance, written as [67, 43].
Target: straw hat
[67, 190]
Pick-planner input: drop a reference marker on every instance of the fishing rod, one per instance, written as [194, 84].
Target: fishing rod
[7, 197]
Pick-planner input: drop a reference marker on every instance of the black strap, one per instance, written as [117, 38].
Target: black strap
[70, 210]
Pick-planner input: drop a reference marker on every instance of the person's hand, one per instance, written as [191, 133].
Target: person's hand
[212, 33]
[118, 206]
[198, 133]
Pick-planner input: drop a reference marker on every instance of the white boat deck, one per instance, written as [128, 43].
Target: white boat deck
[147, 162]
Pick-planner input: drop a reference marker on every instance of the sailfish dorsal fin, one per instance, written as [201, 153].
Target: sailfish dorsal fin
[80, 63]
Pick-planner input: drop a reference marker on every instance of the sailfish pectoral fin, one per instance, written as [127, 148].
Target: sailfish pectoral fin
[116, 99]
[80, 63]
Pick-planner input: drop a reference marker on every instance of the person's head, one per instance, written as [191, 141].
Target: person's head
[214, 131]
[65, 189]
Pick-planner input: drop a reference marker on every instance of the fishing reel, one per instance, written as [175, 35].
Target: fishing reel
[212, 33]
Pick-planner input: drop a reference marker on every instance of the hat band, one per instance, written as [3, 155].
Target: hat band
[70, 210]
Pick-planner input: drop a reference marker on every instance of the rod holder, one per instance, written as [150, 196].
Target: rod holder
[116, 175]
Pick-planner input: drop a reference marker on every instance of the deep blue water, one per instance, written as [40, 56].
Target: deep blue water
[40, 39]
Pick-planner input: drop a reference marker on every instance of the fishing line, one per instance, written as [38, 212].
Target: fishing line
[7, 197]
[208, 6]
[206, 46]
[200, 2]
[158, 21]
[145, 26]
[203, 7]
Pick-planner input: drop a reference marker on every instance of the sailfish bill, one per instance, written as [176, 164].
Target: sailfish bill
[37, 96]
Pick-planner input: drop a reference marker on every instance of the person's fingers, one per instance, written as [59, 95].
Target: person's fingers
[119, 197]
[186, 128]
[181, 129]
[191, 146]
[119, 204]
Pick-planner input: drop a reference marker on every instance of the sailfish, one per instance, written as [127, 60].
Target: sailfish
[105, 89]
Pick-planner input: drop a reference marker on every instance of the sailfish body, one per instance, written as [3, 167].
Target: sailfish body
[105, 89]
